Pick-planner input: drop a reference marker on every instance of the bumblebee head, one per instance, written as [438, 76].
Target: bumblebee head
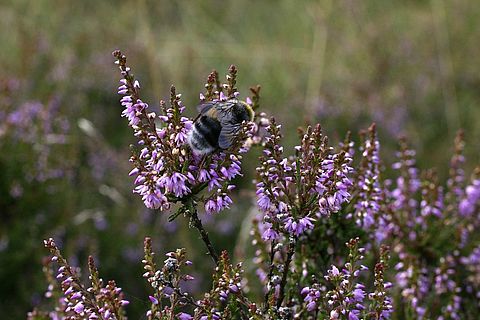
[248, 109]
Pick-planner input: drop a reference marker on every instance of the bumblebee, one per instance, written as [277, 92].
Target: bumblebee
[217, 125]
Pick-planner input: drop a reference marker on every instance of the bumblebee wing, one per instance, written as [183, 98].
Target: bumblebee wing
[204, 107]
[227, 135]
[230, 126]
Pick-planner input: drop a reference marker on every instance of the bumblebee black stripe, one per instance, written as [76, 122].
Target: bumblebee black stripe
[198, 141]
[208, 129]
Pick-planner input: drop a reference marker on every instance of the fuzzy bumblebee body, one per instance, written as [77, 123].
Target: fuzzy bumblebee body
[217, 125]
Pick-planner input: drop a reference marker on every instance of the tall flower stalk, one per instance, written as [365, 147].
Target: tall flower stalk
[292, 194]
[166, 170]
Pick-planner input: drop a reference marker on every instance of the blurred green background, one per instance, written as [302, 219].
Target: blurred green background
[410, 66]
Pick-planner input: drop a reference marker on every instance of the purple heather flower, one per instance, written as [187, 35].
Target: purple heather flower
[334, 271]
[155, 200]
[184, 316]
[358, 294]
[153, 300]
[79, 307]
[220, 202]
[353, 315]
[311, 297]
[471, 200]
[233, 288]
[297, 228]
[176, 184]
[264, 202]
[211, 206]
[270, 233]
[311, 305]
[203, 175]
[370, 194]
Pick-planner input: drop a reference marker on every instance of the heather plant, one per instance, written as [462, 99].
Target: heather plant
[38, 128]
[429, 227]
[166, 170]
[327, 226]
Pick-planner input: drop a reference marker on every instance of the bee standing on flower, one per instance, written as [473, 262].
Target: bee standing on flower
[217, 125]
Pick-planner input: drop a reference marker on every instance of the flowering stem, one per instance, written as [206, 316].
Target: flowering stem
[197, 223]
[270, 273]
[286, 267]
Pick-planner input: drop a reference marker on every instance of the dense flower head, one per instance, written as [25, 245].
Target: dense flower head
[166, 169]
[470, 203]
[367, 207]
[348, 297]
[293, 192]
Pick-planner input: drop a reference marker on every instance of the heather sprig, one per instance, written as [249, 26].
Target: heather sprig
[381, 306]
[292, 193]
[226, 299]
[166, 169]
[347, 296]
[456, 179]
[166, 283]
[342, 295]
[169, 300]
[95, 301]
[367, 182]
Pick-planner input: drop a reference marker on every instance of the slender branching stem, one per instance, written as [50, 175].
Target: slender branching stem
[197, 223]
[286, 267]
[270, 273]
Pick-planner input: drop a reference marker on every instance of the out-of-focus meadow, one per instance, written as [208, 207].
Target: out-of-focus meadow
[410, 66]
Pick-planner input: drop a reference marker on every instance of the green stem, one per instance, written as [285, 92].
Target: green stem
[270, 274]
[286, 267]
[197, 223]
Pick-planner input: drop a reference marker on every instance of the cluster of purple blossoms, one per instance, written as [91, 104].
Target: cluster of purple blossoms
[312, 296]
[169, 297]
[43, 130]
[166, 169]
[470, 203]
[98, 301]
[166, 283]
[446, 286]
[370, 195]
[397, 203]
[292, 192]
[348, 299]
[413, 281]
[431, 230]
[472, 264]
[408, 218]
